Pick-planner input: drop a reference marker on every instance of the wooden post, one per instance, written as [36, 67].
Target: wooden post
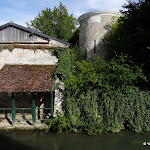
[13, 110]
[41, 111]
[52, 103]
[52, 107]
[33, 110]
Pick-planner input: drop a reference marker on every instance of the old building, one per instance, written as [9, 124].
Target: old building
[13, 33]
[93, 27]
[26, 68]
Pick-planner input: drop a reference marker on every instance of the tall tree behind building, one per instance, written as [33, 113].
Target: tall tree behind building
[57, 23]
[131, 35]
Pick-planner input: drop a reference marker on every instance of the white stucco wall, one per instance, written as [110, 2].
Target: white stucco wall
[27, 56]
[53, 43]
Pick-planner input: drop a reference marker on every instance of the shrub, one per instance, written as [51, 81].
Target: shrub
[130, 35]
[100, 96]
[95, 112]
[1, 48]
[67, 58]
[118, 74]
[10, 48]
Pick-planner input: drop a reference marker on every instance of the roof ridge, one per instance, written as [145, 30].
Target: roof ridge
[32, 31]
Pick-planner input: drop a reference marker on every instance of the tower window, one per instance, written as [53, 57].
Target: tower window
[94, 46]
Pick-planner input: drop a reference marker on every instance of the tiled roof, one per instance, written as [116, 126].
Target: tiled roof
[26, 78]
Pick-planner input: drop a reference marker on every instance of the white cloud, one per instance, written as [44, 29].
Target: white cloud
[79, 7]
[21, 11]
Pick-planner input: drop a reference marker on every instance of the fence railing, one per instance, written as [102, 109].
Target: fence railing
[29, 115]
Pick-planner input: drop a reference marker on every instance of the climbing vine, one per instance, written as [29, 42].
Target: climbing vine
[101, 96]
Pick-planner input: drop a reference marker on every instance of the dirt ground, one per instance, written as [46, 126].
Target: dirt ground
[20, 123]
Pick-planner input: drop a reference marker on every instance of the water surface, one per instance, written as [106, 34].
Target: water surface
[40, 140]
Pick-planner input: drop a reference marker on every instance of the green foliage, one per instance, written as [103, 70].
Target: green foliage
[67, 58]
[131, 33]
[66, 63]
[137, 119]
[89, 108]
[59, 123]
[100, 96]
[94, 112]
[126, 111]
[57, 22]
[105, 76]
[10, 48]
[74, 40]
[1, 47]
[107, 95]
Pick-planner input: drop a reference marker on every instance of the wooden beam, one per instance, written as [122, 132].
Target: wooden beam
[13, 110]
[33, 110]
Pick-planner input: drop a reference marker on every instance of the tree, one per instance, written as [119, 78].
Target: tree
[74, 40]
[131, 34]
[57, 23]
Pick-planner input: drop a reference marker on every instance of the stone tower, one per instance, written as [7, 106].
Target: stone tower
[93, 27]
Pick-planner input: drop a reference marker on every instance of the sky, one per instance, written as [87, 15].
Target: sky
[21, 11]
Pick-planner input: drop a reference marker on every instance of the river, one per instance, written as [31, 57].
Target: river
[41, 140]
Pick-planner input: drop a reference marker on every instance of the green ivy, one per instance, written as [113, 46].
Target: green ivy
[10, 48]
[101, 96]
[117, 74]
[130, 35]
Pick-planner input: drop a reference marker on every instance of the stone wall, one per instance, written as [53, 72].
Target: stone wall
[53, 43]
[58, 96]
[93, 27]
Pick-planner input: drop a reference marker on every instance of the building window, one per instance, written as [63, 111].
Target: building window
[94, 46]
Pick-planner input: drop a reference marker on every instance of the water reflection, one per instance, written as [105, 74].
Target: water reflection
[40, 140]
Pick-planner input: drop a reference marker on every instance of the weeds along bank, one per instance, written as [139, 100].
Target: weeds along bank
[100, 96]
[95, 113]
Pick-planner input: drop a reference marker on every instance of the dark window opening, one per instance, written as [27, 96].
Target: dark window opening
[30, 34]
[94, 46]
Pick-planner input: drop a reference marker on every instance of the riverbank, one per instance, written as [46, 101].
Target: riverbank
[6, 124]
